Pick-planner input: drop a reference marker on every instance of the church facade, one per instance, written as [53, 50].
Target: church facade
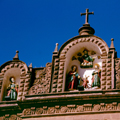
[81, 83]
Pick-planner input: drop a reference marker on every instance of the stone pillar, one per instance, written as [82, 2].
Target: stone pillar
[108, 69]
[27, 83]
[60, 76]
[111, 67]
[103, 74]
[109, 72]
[21, 87]
[1, 81]
[57, 73]
[117, 73]
[54, 74]
[107, 75]
[24, 86]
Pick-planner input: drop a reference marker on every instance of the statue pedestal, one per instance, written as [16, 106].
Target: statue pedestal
[7, 98]
[80, 88]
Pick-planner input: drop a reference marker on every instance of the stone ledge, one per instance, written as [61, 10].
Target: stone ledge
[77, 92]
[75, 113]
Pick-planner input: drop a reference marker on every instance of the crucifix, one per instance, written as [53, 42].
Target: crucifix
[87, 13]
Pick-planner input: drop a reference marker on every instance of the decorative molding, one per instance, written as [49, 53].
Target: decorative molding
[66, 109]
[12, 117]
[85, 108]
[14, 64]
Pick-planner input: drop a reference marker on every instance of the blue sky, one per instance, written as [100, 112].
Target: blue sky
[34, 26]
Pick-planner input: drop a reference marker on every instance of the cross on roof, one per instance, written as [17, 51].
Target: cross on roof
[87, 13]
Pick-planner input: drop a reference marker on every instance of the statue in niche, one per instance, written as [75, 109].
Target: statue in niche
[73, 79]
[85, 82]
[96, 75]
[12, 90]
[86, 61]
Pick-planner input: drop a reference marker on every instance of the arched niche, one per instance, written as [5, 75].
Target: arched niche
[79, 48]
[10, 69]
[13, 72]
[78, 44]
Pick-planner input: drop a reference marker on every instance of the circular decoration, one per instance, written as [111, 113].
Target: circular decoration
[13, 117]
[118, 107]
[39, 111]
[51, 110]
[96, 108]
[80, 109]
[26, 111]
[109, 106]
[64, 109]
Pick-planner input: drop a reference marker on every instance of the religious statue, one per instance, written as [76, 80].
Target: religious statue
[85, 82]
[96, 75]
[12, 89]
[73, 78]
[86, 61]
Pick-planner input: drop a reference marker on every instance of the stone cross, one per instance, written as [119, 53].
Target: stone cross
[87, 13]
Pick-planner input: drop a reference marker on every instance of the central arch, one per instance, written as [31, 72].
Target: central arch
[72, 46]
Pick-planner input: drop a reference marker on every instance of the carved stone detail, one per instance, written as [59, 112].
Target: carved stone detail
[102, 108]
[72, 109]
[109, 107]
[51, 110]
[80, 108]
[64, 109]
[13, 64]
[101, 45]
[118, 107]
[117, 71]
[55, 74]
[39, 111]
[87, 107]
[103, 75]
[12, 117]
[27, 111]
[23, 69]
[96, 107]
[41, 84]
